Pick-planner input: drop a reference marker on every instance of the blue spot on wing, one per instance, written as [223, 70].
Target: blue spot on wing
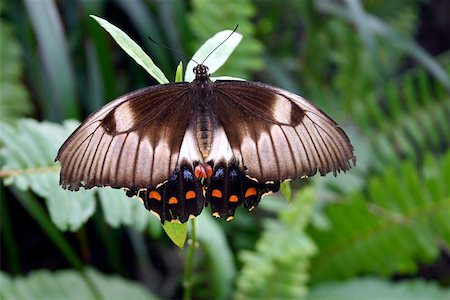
[219, 173]
[187, 175]
[234, 174]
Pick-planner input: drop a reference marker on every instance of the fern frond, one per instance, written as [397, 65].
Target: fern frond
[410, 119]
[29, 152]
[70, 284]
[404, 221]
[14, 97]
[209, 17]
[278, 268]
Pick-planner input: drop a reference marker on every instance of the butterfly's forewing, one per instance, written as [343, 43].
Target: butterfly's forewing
[279, 135]
[133, 142]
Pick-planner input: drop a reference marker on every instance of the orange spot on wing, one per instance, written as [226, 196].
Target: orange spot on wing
[209, 171]
[154, 195]
[216, 193]
[173, 200]
[199, 172]
[250, 192]
[233, 198]
[190, 195]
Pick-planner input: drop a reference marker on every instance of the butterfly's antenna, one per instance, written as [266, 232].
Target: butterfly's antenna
[171, 49]
[234, 30]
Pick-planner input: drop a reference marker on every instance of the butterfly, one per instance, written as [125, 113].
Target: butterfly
[182, 146]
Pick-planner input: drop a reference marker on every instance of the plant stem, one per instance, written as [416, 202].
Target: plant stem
[189, 265]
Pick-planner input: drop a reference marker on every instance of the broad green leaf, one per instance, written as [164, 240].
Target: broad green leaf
[133, 50]
[119, 209]
[29, 152]
[376, 288]
[69, 284]
[217, 58]
[176, 232]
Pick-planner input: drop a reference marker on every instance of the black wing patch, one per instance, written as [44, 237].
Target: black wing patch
[133, 142]
[278, 135]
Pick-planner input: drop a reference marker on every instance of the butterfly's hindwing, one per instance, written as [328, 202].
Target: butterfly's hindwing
[228, 188]
[177, 199]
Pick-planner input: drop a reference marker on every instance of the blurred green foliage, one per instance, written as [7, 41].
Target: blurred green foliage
[385, 220]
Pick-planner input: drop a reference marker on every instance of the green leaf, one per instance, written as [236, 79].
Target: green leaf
[29, 153]
[118, 209]
[179, 73]
[376, 288]
[69, 284]
[133, 50]
[57, 69]
[217, 58]
[176, 232]
[285, 189]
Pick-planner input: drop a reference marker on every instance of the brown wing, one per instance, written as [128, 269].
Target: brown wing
[279, 135]
[132, 142]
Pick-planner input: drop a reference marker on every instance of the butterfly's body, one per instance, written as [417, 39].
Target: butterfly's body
[182, 146]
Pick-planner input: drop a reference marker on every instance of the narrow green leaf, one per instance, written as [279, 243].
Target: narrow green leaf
[33, 207]
[133, 50]
[217, 58]
[176, 232]
[285, 189]
[179, 73]
[359, 16]
[57, 64]
[146, 22]
[220, 263]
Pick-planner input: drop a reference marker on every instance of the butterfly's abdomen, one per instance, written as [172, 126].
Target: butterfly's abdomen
[204, 127]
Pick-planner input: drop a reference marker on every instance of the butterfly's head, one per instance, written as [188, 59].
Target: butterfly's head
[201, 72]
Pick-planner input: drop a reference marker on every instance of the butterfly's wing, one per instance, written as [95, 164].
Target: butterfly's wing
[278, 135]
[141, 142]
